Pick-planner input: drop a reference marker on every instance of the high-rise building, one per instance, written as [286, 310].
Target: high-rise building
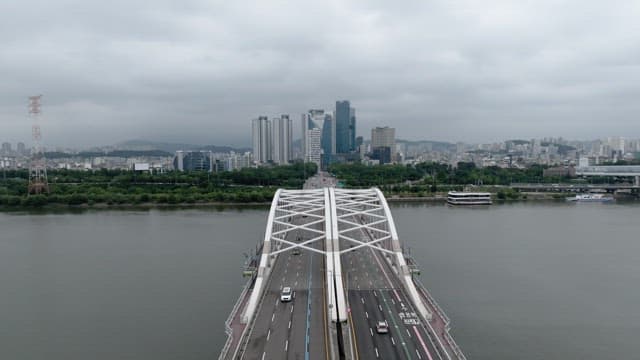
[313, 119]
[328, 140]
[6, 147]
[313, 151]
[282, 139]
[383, 144]
[383, 136]
[345, 117]
[22, 150]
[261, 136]
[193, 161]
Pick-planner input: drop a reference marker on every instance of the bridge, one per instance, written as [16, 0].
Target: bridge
[611, 170]
[339, 252]
[632, 171]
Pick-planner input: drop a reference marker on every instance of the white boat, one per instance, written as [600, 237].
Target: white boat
[590, 198]
[468, 198]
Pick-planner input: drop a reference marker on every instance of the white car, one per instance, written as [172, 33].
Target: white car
[286, 294]
[382, 327]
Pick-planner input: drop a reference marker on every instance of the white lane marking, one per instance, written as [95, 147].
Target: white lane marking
[393, 341]
[291, 308]
[408, 332]
[297, 273]
[273, 317]
[286, 345]
[377, 355]
[289, 324]
[375, 294]
[276, 304]
[393, 301]
[424, 346]
[418, 352]
[371, 331]
[380, 307]
[361, 299]
[366, 314]
[263, 355]
[268, 334]
[296, 284]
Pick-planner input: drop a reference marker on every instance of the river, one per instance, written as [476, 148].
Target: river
[519, 281]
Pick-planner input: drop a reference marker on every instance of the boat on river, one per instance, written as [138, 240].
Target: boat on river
[468, 198]
[590, 198]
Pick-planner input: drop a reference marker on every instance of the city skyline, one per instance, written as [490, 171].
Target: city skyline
[445, 71]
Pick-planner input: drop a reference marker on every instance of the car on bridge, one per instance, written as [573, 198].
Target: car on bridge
[286, 294]
[382, 327]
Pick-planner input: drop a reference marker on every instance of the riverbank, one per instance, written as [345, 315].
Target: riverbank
[438, 198]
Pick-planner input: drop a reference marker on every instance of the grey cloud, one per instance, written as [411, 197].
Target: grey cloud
[200, 70]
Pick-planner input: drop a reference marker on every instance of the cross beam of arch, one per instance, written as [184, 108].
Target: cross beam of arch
[319, 220]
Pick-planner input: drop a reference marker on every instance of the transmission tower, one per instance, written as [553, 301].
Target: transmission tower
[38, 166]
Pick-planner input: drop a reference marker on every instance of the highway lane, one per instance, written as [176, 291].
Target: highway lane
[296, 329]
[375, 294]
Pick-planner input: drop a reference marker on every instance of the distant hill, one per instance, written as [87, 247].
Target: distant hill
[115, 153]
[173, 147]
[435, 145]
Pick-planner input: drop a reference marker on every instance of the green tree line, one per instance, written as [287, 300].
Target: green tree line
[77, 187]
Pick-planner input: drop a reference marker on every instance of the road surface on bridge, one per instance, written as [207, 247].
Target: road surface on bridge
[296, 329]
[375, 294]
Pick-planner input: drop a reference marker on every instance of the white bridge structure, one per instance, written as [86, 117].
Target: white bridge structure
[330, 217]
[329, 274]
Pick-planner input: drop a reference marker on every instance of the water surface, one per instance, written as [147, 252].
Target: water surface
[519, 281]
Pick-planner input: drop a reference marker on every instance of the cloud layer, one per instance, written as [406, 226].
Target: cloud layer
[200, 70]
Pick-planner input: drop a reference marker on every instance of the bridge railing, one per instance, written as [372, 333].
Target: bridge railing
[227, 324]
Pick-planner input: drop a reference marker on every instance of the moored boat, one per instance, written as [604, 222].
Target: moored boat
[468, 198]
[590, 198]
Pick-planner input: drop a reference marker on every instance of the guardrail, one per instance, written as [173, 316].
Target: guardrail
[227, 324]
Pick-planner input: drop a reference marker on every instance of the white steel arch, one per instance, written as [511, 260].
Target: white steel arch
[318, 220]
[366, 210]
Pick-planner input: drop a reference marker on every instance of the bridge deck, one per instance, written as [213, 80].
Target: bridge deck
[368, 265]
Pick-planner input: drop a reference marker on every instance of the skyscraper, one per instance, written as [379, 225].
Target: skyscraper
[383, 144]
[282, 133]
[383, 137]
[261, 136]
[345, 118]
[313, 150]
[328, 140]
[313, 119]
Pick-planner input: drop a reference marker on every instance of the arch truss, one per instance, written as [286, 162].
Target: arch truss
[330, 222]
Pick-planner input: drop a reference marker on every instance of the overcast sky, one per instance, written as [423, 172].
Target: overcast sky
[199, 71]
